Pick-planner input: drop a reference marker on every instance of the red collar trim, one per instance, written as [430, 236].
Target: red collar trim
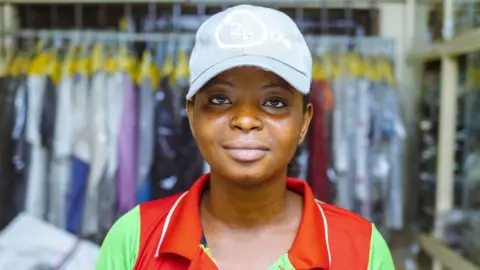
[309, 249]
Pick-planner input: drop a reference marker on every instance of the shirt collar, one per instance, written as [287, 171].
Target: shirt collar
[310, 248]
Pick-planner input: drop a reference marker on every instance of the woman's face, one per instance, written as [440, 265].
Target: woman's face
[248, 123]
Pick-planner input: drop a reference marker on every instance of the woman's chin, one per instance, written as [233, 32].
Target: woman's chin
[247, 176]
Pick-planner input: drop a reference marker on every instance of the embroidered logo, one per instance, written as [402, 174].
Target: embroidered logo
[242, 29]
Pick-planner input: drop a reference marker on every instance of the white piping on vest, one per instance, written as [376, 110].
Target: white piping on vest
[167, 222]
[325, 225]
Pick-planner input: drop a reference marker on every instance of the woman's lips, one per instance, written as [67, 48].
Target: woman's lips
[246, 155]
[246, 151]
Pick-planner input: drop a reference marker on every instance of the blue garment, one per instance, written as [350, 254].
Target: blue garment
[143, 192]
[76, 195]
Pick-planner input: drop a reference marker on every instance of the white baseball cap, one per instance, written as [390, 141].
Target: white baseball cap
[248, 35]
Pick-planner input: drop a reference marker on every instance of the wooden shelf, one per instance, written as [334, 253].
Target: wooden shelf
[464, 43]
[439, 251]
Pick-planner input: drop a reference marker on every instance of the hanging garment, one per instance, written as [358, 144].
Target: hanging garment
[144, 192]
[164, 176]
[396, 129]
[107, 187]
[146, 139]
[363, 203]
[318, 152]
[7, 181]
[343, 132]
[76, 196]
[178, 161]
[60, 171]
[379, 164]
[472, 180]
[21, 147]
[99, 145]
[49, 110]
[81, 154]
[36, 199]
[293, 168]
[190, 160]
[127, 149]
[47, 131]
[303, 160]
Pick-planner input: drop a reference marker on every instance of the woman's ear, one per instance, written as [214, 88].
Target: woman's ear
[307, 117]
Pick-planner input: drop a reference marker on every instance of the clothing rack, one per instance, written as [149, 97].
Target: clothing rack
[312, 17]
[363, 44]
[102, 35]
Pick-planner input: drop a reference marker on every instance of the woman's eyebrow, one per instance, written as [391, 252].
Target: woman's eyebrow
[283, 85]
[219, 82]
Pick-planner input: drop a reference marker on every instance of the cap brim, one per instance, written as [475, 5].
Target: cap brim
[294, 77]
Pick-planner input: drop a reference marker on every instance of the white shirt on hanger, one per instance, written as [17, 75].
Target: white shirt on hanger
[99, 150]
[62, 151]
[36, 193]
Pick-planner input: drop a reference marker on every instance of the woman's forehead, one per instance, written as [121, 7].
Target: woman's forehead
[248, 75]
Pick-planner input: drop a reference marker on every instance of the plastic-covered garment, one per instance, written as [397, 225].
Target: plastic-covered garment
[47, 132]
[49, 110]
[362, 119]
[298, 166]
[21, 147]
[28, 243]
[60, 170]
[178, 162]
[342, 130]
[167, 137]
[462, 232]
[107, 187]
[76, 195]
[472, 180]
[99, 144]
[127, 149]
[318, 152]
[36, 199]
[393, 125]
[7, 179]
[386, 154]
[81, 157]
[146, 136]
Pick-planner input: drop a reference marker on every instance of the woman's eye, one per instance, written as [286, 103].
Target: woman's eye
[220, 100]
[275, 103]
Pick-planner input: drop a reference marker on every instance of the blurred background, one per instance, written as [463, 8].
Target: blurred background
[92, 120]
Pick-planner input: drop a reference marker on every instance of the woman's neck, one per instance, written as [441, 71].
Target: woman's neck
[246, 207]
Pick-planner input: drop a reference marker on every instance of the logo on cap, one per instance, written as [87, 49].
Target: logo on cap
[242, 29]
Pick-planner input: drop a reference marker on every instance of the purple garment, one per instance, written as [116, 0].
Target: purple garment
[127, 149]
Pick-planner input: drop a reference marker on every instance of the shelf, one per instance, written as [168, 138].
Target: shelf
[464, 43]
[437, 250]
[356, 4]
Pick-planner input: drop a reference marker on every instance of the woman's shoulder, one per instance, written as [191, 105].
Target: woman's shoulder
[144, 213]
[122, 243]
[345, 220]
[351, 235]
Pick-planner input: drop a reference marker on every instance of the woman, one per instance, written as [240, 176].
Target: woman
[250, 71]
